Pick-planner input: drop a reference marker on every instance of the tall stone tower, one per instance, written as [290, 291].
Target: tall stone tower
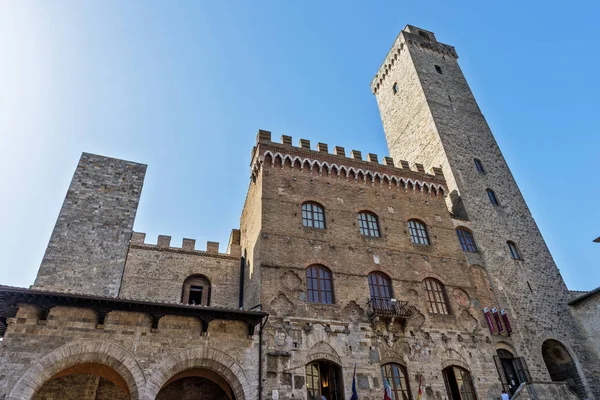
[90, 240]
[430, 116]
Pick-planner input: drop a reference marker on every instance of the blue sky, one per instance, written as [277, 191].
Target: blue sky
[183, 86]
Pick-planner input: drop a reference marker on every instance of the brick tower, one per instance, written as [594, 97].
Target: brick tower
[430, 116]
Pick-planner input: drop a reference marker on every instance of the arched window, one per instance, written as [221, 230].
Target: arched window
[313, 215]
[514, 252]
[492, 197]
[319, 286]
[368, 223]
[436, 296]
[324, 380]
[459, 384]
[380, 286]
[465, 237]
[196, 291]
[418, 233]
[397, 378]
[479, 166]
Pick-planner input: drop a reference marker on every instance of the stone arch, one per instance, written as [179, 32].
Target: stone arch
[562, 366]
[323, 351]
[389, 356]
[501, 345]
[82, 352]
[455, 358]
[207, 358]
[544, 337]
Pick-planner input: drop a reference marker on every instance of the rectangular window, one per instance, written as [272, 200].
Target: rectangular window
[195, 295]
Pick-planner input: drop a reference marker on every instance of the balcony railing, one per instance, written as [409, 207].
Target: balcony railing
[390, 308]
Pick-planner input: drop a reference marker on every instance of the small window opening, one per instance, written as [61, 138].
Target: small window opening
[423, 34]
[492, 196]
[514, 251]
[479, 165]
[195, 295]
[395, 87]
[438, 69]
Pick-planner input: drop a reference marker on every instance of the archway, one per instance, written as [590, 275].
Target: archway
[102, 358]
[506, 368]
[561, 366]
[196, 384]
[324, 380]
[459, 384]
[201, 362]
[89, 381]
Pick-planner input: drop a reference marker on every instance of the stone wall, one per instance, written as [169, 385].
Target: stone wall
[587, 311]
[157, 272]
[89, 242]
[433, 118]
[34, 351]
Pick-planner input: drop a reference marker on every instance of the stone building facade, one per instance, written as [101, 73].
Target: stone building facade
[428, 276]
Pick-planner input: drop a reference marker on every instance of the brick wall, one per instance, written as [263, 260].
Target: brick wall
[299, 332]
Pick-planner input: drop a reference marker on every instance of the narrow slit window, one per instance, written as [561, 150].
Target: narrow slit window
[438, 69]
[514, 251]
[395, 87]
[492, 197]
[479, 166]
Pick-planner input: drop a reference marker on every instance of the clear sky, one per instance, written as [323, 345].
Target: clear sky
[183, 86]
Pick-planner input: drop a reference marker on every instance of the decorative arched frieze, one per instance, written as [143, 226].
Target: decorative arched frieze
[342, 171]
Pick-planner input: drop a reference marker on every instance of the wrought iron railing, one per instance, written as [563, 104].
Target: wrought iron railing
[390, 308]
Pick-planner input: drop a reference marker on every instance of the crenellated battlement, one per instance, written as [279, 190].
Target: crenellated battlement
[337, 164]
[138, 240]
[414, 37]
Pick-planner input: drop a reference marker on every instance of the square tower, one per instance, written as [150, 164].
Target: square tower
[430, 116]
[89, 243]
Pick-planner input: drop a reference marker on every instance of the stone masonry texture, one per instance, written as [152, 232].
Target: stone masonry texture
[90, 240]
[434, 131]
[433, 119]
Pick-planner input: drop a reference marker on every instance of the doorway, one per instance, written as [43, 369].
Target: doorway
[324, 379]
[459, 384]
[561, 366]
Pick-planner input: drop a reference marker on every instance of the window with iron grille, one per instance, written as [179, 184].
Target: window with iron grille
[368, 223]
[396, 376]
[436, 296]
[479, 166]
[465, 237]
[418, 233]
[492, 196]
[514, 252]
[319, 286]
[313, 215]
